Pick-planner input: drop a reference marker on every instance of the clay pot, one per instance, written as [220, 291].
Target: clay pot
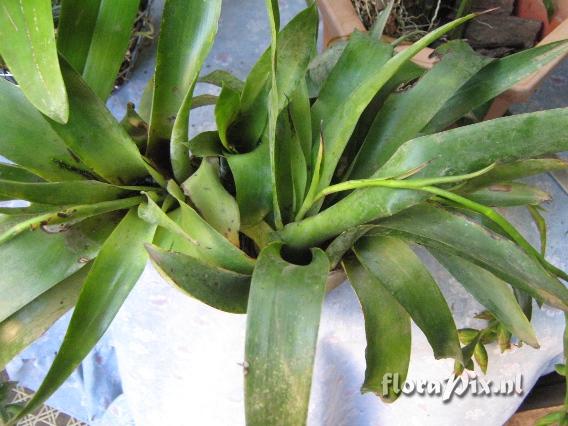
[340, 19]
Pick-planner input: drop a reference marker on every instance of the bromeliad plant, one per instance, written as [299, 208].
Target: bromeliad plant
[317, 164]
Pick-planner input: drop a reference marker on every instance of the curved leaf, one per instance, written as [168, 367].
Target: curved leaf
[491, 292]
[24, 132]
[212, 200]
[453, 152]
[509, 194]
[187, 32]
[28, 48]
[29, 323]
[113, 274]
[221, 289]
[402, 273]
[35, 261]
[387, 326]
[222, 78]
[458, 235]
[283, 318]
[13, 172]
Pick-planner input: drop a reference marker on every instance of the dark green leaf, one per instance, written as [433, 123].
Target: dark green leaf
[387, 326]
[16, 173]
[28, 48]
[509, 194]
[491, 292]
[222, 78]
[283, 318]
[343, 243]
[115, 271]
[206, 144]
[226, 112]
[221, 289]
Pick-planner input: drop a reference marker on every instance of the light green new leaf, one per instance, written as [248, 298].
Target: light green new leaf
[509, 194]
[206, 144]
[393, 263]
[205, 242]
[515, 170]
[16, 173]
[28, 48]
[491, 292]
[387, 326]
[221, 289]
[25, 133]
[187, 32]
[404, 115]
[94, 135]
[212, 200]
[458, 235]
[113, 274]
[453, 152]
[29, 323]
[493, 80]
[283, 318]
[39, 260]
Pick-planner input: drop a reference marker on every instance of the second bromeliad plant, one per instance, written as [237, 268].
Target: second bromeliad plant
[344, 163]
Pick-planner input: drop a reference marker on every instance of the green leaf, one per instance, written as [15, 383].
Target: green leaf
[29, 323]
[493, 80]
[226, 111]
[321, 66]
[219, 288]
[61, 193]
[540, 223]
[16, 173]
[404, 115]
[458, 235]
[491, 292]
[387, 326]
[453, 152]
[340, 121]
[205, 242]
[115, 271]
[283, 318]
[509, 194]
[481, 357]
[206, 144]
[515, 170]
[24, 133]
[251, 172]
[300, 117]
[35, 261]
[108, 44]
[187, 32]
[221, 78]
[28, 48]
[343, 243]
[95, 137]
[212, 200]
[393, 263]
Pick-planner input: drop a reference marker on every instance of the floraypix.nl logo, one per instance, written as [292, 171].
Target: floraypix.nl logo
[453, 386]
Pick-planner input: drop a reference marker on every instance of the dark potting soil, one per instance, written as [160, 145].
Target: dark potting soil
[495, 34]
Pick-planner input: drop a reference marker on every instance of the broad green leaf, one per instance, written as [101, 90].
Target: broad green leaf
[36, 260]
[387, 326]
[61, 193]
[452, 152]
[509, 194]
[221, 289]
[206, 243]
[393, 263]
[283, 316]
[251, 172]
[28, 48]
[187, 32]
[114, 273]
[515, 170]
[343, 243]
[212, 200]
[13, 172]
[364, 83]
[109, 43]
[226, 111]
[300, 118]
[320, 67]
[206, 144]
[29, 323]
[404, 115]
[491, 292]
[458, 235]
[295, 45]
[24, 133]
[222, 78]
[95, 136]
[493, 80]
